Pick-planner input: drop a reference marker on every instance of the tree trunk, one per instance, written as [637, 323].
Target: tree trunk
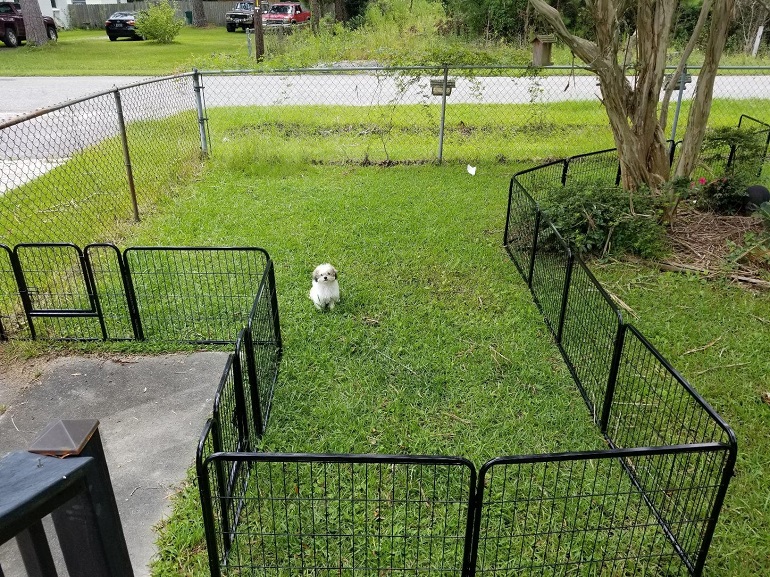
[721, 17]
[315, 15]
[33, 22]
[259, 34]
[199, 15]
[339, 11]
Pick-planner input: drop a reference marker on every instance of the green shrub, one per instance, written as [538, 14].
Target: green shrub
[159, 23]
[723, 195]
[599, 220]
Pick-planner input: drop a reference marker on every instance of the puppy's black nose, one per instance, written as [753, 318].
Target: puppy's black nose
[326, 278]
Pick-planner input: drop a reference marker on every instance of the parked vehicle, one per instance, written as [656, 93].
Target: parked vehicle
[122, 25]
[12, 31]
[242, 16]
[285, 13]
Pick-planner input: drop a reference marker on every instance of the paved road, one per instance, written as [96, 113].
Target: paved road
[20, 95]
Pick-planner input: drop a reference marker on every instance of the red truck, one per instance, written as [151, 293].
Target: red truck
[285, 14]
[12, 25]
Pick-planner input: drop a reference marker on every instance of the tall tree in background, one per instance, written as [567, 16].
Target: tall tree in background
[637, 124]
[198, 14]
[33, 22]
[315, 15]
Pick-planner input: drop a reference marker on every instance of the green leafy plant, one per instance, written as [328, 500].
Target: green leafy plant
[159, 23]
[734, 155]
[599, 220]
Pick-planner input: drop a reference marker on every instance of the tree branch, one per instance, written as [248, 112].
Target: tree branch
[691, 43]
[584, 49]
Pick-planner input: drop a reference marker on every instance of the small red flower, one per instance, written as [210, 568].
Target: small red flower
[701, 181]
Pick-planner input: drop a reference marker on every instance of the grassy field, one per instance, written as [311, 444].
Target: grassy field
[436, 347]
[89, 52]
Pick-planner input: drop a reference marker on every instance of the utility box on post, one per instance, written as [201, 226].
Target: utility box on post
[541, 49]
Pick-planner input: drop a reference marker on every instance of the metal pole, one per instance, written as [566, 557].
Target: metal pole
[678, 106]
[198, 88]
[443, 115]
[126, 155]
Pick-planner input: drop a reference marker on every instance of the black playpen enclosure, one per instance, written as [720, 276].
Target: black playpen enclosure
[646, 504]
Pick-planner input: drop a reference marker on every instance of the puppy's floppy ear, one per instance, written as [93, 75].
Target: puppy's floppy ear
[334, 272]
[316, 274]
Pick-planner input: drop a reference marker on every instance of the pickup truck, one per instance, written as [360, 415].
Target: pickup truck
[285, 14]
[242, 16]
[12, 30]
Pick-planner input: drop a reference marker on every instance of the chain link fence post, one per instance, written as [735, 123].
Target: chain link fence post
[198, 88]
[443, 116]
[126, 154]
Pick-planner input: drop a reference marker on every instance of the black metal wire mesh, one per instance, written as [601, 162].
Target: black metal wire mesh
[541, 179]
[347, 514]
[12, 318]
[195, 294]
[591, 324]
[520, 227]
[108, 273]
[264, 347]
[549, 274]
[582, 513]
[594, 168]
[55, 279]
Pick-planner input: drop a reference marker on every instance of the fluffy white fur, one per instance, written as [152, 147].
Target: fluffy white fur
[325, 292]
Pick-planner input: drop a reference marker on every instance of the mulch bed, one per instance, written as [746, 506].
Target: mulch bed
[706, 243]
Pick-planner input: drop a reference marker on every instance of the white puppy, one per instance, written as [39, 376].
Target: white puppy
[325, 291]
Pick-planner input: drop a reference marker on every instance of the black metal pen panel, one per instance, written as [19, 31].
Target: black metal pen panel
[581, 513]
[346, 514]
[105, 264]
[197, 294]
[12, 318]
[57, 292]
[552, 256]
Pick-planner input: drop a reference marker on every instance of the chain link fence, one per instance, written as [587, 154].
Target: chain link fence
[85, 171]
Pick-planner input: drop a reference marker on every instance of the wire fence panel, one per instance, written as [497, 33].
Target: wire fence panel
[61, 174]
[59, 297]
[549, 276]
[348, 514]
[538, 181]
[12, 318]
[105, 264]
[521, 227]
[264, 347]
[579, 514]
[325, 116]
[591, 325]
[600, 168]
[162, 132]
[504, 114]
[199, 294]
[654, 406]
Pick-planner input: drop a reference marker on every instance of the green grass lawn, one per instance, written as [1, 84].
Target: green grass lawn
[89, 52]
[436, 346]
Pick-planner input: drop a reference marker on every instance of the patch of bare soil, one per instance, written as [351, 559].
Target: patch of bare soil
[715, 246]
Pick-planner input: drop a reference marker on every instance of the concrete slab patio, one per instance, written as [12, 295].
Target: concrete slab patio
[151, 410]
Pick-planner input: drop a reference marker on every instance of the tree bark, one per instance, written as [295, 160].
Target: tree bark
[339, 11]
[721, 17]
[259, 34]
[315, 15]
[199, 15]
[33, 22]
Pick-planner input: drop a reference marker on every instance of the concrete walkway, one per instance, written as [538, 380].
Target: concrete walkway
[152, 411]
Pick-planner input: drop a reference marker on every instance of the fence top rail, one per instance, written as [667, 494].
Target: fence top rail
[49, 109]
[539, 167]
[353, 458]
[606, 454]
[688, 387]
[198, 248]
[225, 378]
